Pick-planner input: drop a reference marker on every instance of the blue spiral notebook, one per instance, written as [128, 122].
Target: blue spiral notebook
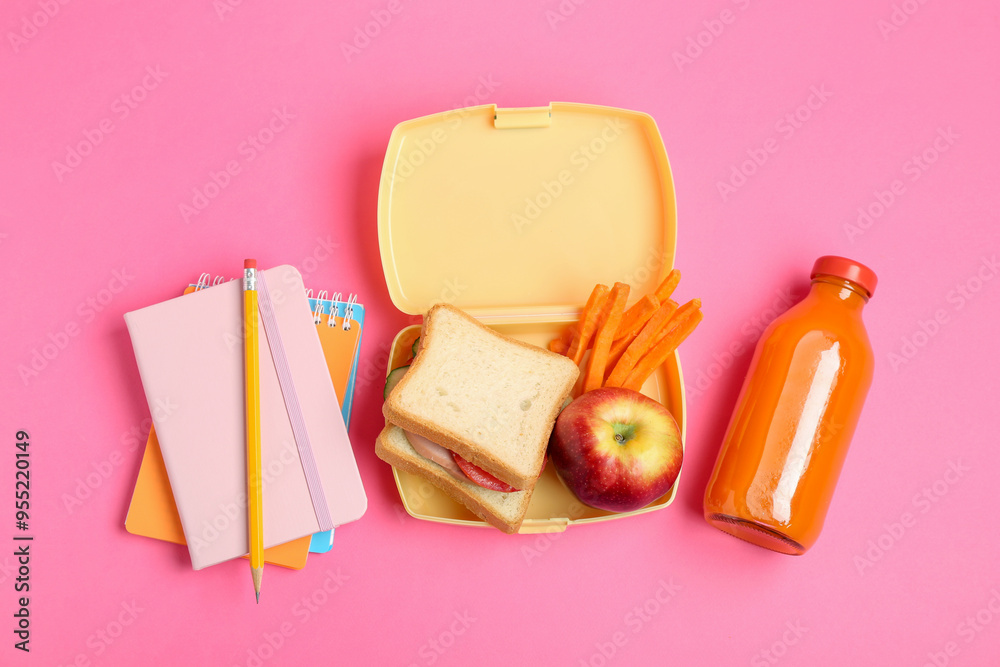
[340, 324]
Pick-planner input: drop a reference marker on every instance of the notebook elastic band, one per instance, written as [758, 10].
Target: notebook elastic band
[292, 405]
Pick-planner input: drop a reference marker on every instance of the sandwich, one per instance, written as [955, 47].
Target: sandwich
[473, 414]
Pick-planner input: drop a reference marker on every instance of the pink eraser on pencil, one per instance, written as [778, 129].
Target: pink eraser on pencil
[250, 264]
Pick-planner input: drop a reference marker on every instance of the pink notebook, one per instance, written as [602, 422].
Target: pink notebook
[190, 356]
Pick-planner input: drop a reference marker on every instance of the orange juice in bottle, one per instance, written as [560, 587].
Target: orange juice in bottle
[794, 418]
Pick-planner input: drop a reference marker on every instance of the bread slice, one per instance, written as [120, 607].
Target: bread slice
[504, 510]
[485, 396]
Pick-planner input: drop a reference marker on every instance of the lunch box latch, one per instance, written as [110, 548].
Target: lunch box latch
[522, 118]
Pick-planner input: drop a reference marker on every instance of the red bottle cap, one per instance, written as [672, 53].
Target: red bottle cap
[848, 269]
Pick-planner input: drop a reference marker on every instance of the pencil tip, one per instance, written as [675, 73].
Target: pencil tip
[257, 573]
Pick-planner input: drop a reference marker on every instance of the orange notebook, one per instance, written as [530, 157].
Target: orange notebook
[152, 511]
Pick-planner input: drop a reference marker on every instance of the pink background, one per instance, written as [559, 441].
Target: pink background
[872, 591]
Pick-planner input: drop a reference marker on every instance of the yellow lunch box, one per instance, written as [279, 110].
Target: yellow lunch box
[513, 215]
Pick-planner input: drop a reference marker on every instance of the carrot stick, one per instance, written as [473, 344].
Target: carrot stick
[636, 316]
[614, 309]
[568, 333]
[561, 344]
[641, 343]
[679, 315]
[617, 350]
[659, 354]
[668, 285]
[588, 322]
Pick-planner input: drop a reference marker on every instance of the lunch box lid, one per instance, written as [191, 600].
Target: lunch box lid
[518, 212]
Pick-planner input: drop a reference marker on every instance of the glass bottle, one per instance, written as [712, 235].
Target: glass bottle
[795, 416]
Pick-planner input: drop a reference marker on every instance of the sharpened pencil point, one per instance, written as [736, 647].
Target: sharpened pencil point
[258, 573]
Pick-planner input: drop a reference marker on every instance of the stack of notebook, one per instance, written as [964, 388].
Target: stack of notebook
[191, 487]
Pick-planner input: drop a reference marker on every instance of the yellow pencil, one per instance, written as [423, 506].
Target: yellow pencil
[255, 509]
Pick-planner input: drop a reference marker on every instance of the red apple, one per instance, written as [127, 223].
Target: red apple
[616, 449]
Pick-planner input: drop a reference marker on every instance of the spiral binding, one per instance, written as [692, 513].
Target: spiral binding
[349, 313]
[337, 298]
[206, 280]
[318, 313]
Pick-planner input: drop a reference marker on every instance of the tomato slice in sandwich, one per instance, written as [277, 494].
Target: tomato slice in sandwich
[479, 476]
